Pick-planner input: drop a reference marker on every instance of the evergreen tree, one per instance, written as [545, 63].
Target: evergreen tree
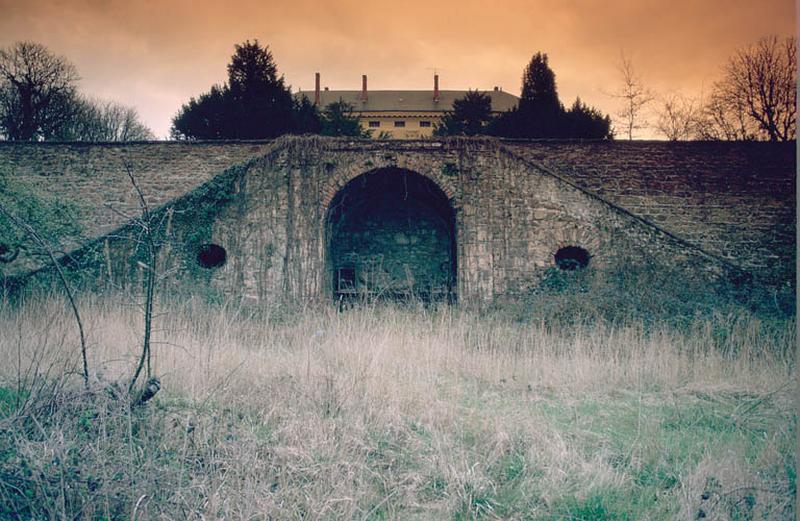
[338, 120]
[585, 122]
[252, 71]
[253, 104]
[539, 85]
[471, 115]
[260, 103]
[205, 117]
[540, 114]
[307, 119]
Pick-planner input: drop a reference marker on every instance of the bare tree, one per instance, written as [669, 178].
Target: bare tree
[121, 123]
[720, 120]
[97, 120]
[149, 231]
[635, 96]
[36, 91]
[760, 85]
[677, 117]
[39, 101]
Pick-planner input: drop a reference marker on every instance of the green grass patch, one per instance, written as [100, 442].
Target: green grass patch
[10, 400]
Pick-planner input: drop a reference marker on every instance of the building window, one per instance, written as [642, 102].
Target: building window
[424, 123]
[374, 124]
[399, 124]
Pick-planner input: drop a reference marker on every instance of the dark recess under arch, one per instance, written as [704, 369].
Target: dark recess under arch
[211, 256]
[572, 258]
[391, 234]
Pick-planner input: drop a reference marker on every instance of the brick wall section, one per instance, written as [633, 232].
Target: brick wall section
[734, 200]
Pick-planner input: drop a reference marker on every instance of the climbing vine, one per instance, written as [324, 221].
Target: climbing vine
[51, 218]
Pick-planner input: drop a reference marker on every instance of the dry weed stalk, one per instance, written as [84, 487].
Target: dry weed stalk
[386, 411]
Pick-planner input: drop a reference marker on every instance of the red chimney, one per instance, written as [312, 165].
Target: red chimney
[316, 90]
[436, 88]
[364, 88]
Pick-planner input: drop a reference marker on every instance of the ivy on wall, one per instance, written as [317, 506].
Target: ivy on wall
[53, 219]
[54, 222]
[180, 228]
[195, 213]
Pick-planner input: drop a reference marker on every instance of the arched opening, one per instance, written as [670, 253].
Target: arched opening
[391, 234]
[572, 258]
[211, 256]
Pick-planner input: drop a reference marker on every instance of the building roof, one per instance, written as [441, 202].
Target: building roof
[408, 100]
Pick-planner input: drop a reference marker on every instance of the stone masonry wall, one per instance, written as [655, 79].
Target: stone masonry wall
[511, 218]
[704, 207]
[93, 177]
[734, 200]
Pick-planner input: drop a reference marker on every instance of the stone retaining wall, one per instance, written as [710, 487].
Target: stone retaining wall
[707, 208]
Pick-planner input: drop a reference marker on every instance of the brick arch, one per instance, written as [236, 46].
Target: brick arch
[362, 164]
[571, 233]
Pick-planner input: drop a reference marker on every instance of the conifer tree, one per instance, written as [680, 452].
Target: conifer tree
[253, 104]
[470, 116]
[338, 120]
[540, 114]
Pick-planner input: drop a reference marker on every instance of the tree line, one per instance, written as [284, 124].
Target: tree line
[539, 114]
[255, 103]
[40, 101]
[754, 100]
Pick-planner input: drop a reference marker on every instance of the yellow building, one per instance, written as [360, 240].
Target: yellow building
[403, 114]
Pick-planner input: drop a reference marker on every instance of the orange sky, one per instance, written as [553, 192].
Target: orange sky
[154, 55]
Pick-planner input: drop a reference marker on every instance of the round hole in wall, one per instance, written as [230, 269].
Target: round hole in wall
[572, 258]
[211, 256]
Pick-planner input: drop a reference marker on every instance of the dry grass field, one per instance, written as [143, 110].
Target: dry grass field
[396, 412]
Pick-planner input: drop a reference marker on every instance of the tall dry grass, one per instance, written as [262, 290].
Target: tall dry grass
[384, 412]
